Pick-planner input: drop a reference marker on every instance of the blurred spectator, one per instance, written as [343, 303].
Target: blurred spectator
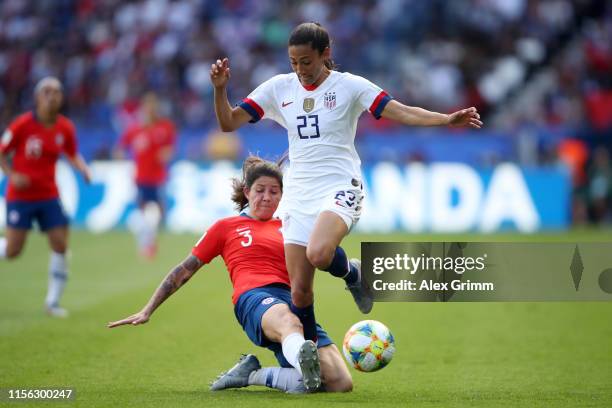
[449, 52]
[600, 185]
[439, 54]
[222, 146]
[574, 154]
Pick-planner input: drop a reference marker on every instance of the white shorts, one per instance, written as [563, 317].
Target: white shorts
[298, 224]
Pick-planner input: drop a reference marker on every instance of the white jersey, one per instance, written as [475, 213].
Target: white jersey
[321, 123]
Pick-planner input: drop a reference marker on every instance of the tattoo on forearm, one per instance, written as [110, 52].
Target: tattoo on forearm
[174, 280]
[192, 264]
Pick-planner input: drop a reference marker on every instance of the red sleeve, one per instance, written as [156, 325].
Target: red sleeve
[11, 135]
[211, 244]
[70, 144]
[126, 138]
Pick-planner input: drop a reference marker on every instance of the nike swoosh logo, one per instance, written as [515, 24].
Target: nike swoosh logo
[286, 104]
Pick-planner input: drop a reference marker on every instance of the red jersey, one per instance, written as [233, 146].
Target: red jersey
[252, 250]
[146, 142]
[35, 150]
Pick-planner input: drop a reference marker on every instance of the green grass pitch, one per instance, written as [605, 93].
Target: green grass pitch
[448, 354]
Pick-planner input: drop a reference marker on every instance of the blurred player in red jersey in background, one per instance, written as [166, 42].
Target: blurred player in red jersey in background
[152, 144]
[29, 150]
[251, 245]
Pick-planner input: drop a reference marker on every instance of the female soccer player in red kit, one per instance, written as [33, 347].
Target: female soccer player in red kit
[152, 144]
[251, 245]
[29, 150]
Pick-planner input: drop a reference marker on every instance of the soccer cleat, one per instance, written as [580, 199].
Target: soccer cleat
[56, 311]
[361, 290]
[149, 252]
[238, 375]
[310, 366]
[299, 389]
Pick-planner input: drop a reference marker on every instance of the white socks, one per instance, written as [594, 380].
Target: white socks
[2, 248]
[144, 231]
[284, 379]
[58, 274]
[291, 349]
[145, 225]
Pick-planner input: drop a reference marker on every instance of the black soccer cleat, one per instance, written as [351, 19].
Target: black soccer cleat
[361, 290]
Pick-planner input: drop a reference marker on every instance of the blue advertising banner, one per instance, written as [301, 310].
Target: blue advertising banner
[436, 197]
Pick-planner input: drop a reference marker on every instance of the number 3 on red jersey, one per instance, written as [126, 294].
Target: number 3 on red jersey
[248, 238]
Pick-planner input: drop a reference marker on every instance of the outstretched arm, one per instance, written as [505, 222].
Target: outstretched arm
[414, 116]
[4, 165]
[229, 118]
[79, 163]
[171, 283]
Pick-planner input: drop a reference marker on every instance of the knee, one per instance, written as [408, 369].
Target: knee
[346, 385]
[12, 253]
[341, 383]
[319, 256]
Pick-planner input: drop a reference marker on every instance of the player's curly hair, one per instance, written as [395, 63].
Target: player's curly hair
[315, 35]
[253, 168]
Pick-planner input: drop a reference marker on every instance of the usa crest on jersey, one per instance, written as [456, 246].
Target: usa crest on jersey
[329, 100]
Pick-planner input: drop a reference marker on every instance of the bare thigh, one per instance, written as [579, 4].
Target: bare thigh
[278, 322]
[301, 275]
[328, 232]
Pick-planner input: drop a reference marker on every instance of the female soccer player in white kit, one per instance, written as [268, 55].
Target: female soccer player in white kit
[323, 195]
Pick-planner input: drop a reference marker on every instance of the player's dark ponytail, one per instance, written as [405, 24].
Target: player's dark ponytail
[315, 35]
[253, 168]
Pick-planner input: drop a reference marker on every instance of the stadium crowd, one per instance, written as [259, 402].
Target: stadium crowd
[439, 54]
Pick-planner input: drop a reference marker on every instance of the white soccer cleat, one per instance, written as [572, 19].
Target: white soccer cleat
[56, 311]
